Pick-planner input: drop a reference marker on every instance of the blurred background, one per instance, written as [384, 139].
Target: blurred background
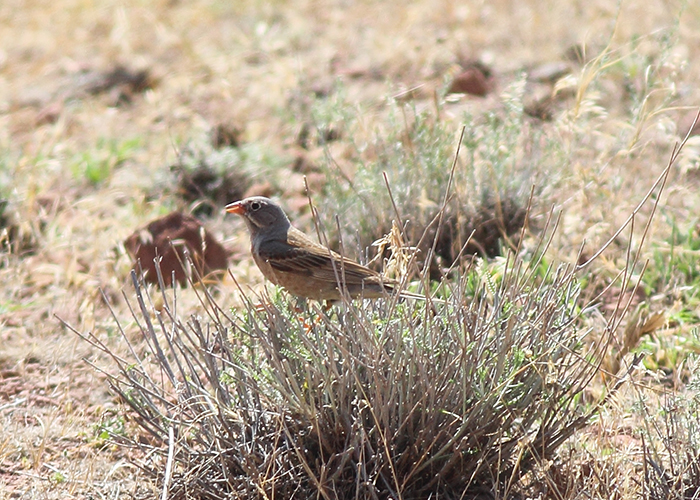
[117, 113]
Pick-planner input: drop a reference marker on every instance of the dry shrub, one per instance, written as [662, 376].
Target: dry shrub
[208, 182]
[499, 164]
[459, 397]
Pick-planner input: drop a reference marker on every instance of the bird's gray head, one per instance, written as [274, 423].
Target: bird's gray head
[262, 215]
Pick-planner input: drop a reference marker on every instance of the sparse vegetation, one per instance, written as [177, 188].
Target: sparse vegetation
[502, 157]
[533, 378]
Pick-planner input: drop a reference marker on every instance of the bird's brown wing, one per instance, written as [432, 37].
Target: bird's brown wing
[302, 256]
[294, 260]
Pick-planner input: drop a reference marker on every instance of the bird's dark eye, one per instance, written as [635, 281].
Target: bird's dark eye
[255, 206]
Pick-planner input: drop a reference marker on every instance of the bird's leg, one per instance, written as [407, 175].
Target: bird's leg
[308, 317]
[301, 306]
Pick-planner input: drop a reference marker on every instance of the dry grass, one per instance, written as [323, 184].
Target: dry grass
[80, 171]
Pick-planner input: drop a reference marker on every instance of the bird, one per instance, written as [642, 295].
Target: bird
[293, 261]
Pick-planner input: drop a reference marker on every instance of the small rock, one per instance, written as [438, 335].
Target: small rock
[476, 79]
[169, 238]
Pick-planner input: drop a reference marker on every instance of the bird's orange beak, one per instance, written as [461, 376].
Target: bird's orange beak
[235, 208]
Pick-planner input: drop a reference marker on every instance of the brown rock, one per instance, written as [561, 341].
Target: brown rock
[476, 79]
[169, 238]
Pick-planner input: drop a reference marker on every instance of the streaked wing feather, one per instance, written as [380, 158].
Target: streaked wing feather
[355, 274]
[314, 260]
[296, 261]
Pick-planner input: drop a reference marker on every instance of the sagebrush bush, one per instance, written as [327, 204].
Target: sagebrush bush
[490, 170]
[453, 397]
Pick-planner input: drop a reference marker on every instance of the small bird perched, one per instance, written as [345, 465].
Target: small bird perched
[290, 259]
